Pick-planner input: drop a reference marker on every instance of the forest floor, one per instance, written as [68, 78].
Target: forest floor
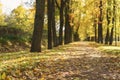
[76, 61]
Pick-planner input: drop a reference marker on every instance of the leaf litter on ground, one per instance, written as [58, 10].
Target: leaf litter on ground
[76, 61]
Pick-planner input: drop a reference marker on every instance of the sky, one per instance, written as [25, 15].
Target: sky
[9, 5]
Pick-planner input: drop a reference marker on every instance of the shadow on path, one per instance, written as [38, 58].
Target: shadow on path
[78, 61]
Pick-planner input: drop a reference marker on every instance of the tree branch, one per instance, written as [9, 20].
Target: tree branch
[57, 4]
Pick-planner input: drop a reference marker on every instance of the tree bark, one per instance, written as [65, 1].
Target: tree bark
[50, 37]
[68, 28]
[66, 36]
[53, 24]
[107, 36]
[118, 38]
[95, 28]
[38, 26]
[61, 22]
[108, 22]
[111, 36]
[100, 30]
[114, 23]
[76, 34]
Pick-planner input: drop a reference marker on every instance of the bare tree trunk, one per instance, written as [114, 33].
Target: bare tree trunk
[50, 37]
[95, 23]
[95, 28]
[114, 23]
[107, 36]
[53, 24]
[118, 38]
[76, 34]
[68, 27]
[38, 26]
[108, 22]
[67, 24]
[100, 30]
[111, 36]
[61, 22]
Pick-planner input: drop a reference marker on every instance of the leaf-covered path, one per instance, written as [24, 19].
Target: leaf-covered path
[76, 61]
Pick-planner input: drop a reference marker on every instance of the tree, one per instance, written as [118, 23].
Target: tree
[95, 21]
[49, 11]
[68, 28]
[62, 4]
[114, 20]
[76, 15]
[52, 36]
[113, 24]
[38, 26]
[2, 16]
[108, 16]
[53, 24]
[76, 34]
[100, 30]
[22, 18]
[107, 36]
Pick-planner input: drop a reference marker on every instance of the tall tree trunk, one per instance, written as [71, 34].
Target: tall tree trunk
[70, 32]
[50, 37]
[107, 36]
[111, 36]
[114, 24]
[38, 26]
[114, 20]
[118, 38]
[100, 30]
[95, 28]
[68, 28]
[112, 31]
[67, 25]
[61, 22]
[53, 24]
[76, 34]
[71, 20]
[95, 23]
[108, 23]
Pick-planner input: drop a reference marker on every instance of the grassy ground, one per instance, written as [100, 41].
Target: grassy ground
[111, 50]
[76, 61]
[15, 61]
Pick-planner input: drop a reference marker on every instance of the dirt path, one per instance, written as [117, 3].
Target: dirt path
[87, 63]
[78, 61]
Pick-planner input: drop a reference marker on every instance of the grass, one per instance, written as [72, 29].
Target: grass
[111, 50]
[19, 59]
[23, 59]
[17, 62]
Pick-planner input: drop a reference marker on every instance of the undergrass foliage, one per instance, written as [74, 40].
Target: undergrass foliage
[112, 50]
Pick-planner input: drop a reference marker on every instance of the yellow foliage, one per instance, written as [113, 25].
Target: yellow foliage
[42, 77]
[22, 18]
[19, 12]
[3, 76]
